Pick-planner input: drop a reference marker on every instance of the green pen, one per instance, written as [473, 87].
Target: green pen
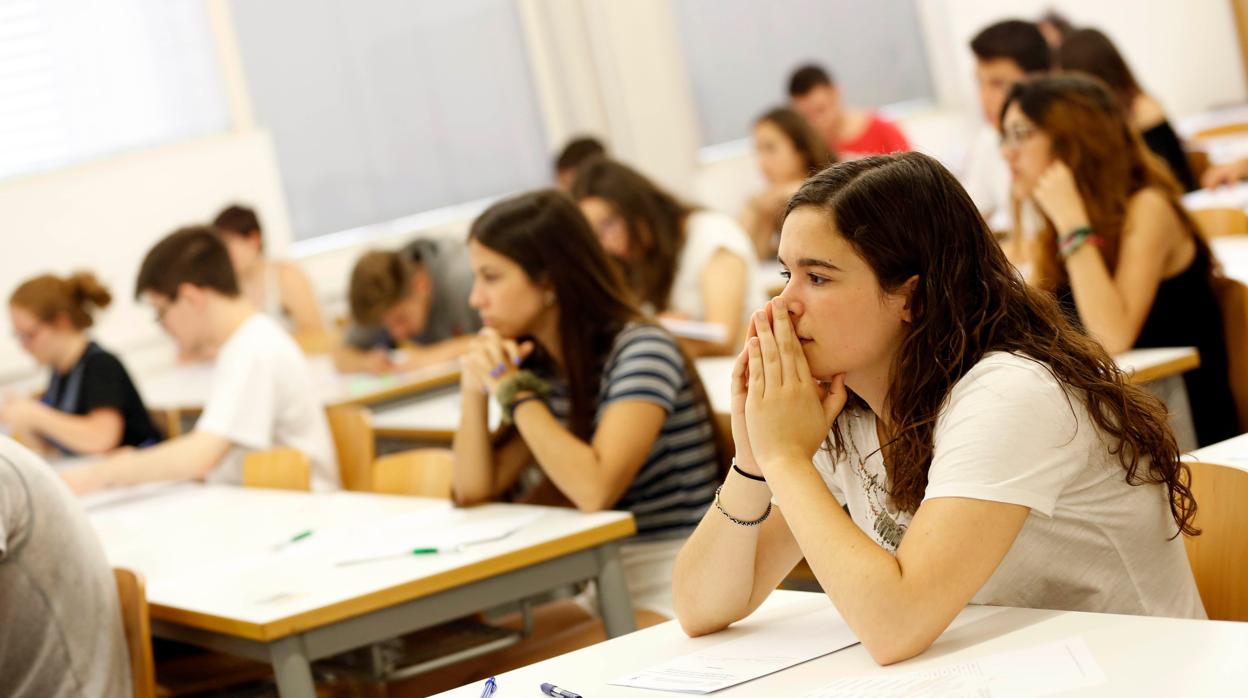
[293, 539]
[413, 551]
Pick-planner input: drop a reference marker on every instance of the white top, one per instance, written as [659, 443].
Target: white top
[263, 396]
[707, 232]
[1011, 433]
[1140, 656]
[987, 179]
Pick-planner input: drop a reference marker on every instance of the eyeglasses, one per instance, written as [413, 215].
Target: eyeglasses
[1015, 135]
[25, 338]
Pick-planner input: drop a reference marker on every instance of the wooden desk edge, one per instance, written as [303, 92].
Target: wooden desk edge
[1173, 367]
[409, 591]
[398, 391]
[407, 434]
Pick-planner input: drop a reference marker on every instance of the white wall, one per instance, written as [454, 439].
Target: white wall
[104, 216]
[1185, 53]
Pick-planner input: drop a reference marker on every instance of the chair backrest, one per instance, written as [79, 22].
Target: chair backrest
[138, 626]
[422, 472]
[1233, 301]
[1219, 555]
[317, 341]
[278, 469]
[1197, 162]
[1216, 222]
[353, 440]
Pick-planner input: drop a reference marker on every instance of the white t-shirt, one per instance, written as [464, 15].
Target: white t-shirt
[988, 179]
[263, 396]
[1008, 434]
[707, 232]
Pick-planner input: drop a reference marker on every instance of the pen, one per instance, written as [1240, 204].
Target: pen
[413, 551]
[293, 539]
[551, 689]
[489, 688]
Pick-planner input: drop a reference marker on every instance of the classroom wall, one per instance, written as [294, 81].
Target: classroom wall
[104, 216]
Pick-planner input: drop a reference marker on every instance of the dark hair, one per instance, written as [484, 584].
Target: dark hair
[1091, 133]
[807, 78]
[1090, 51]
[809, 145]
[545, 233]
[1014, 40]
[656, 224]
[577, 151]
[1058, 21]
[907, 217]
[48, 296]
[193, 255]
[238, 220]
[378, 281]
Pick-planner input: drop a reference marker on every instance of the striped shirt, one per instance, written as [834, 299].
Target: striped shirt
[675, 485]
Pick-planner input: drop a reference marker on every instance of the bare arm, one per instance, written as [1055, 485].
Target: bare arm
[483, 470]
[723, 287]
[185, 458]
[299, 300]
[98, 431]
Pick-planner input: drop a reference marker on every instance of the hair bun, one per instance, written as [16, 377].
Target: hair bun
[85, 288]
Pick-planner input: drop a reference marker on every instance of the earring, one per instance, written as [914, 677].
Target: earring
[550, 298]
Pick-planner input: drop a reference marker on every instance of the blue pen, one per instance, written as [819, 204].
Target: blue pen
[490, 686]
[551, 689]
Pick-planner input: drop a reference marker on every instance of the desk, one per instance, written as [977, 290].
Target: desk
[769, 271]
[1232, 452]
[433, 417]
[1140, 656]
[182, 390]
[214, 579]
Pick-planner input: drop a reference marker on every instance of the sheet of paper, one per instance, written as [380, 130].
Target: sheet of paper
[763, 650]
[1026, 673]
[691, 329]
[401, 534]
[104, 499]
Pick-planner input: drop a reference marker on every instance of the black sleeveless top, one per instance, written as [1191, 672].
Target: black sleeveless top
[1185, 313]
[99, 380]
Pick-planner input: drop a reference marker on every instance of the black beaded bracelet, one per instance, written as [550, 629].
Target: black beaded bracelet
[756, 478]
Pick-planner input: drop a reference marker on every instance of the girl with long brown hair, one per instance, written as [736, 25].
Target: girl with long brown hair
[1117, 247]
[986, 450]
[788, 151]
[602, 400]
[90, 406]
[680, 262]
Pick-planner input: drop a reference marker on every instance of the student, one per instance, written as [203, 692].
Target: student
[1005, 53]
[788, 151]
[417, 298]
[681, 262]
[262, 394]
[60, 618]
[848, 132]
[1118, 248]
[91, 405]
[602, 400]
[987, 452]
[574, 154]
[1225, 174]
[280, 289]
[1090, 51]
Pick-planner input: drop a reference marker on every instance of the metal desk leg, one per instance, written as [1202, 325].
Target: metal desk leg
[613, 602]
[291, 668]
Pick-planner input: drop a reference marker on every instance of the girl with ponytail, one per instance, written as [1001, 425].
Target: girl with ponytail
[91, 405]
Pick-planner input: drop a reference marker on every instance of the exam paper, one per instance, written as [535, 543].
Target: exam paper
[692, 329]
[763, 650]
[1034, 671]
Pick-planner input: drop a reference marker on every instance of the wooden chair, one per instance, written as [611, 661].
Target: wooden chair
[1233, 301]
[1219, 555]
[278, 469]
[353, 441]
[317, 341]
[1197, 162]
[138, 626]
[1216, 222]
[422, 472]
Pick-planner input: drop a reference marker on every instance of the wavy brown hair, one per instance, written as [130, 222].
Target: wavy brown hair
[656, 225]
[907, 217]
[1109, 160]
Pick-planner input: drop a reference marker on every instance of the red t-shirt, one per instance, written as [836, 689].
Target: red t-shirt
[879, 137]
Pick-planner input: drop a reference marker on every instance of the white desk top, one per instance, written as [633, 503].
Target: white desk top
[434, 417]
[1232, 253]
[716, 372]
[188, 386]
[208, 554]
[1233, 452]
[1139, 655]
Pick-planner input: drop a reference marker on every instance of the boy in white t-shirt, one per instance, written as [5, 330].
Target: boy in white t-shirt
[262, 393]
